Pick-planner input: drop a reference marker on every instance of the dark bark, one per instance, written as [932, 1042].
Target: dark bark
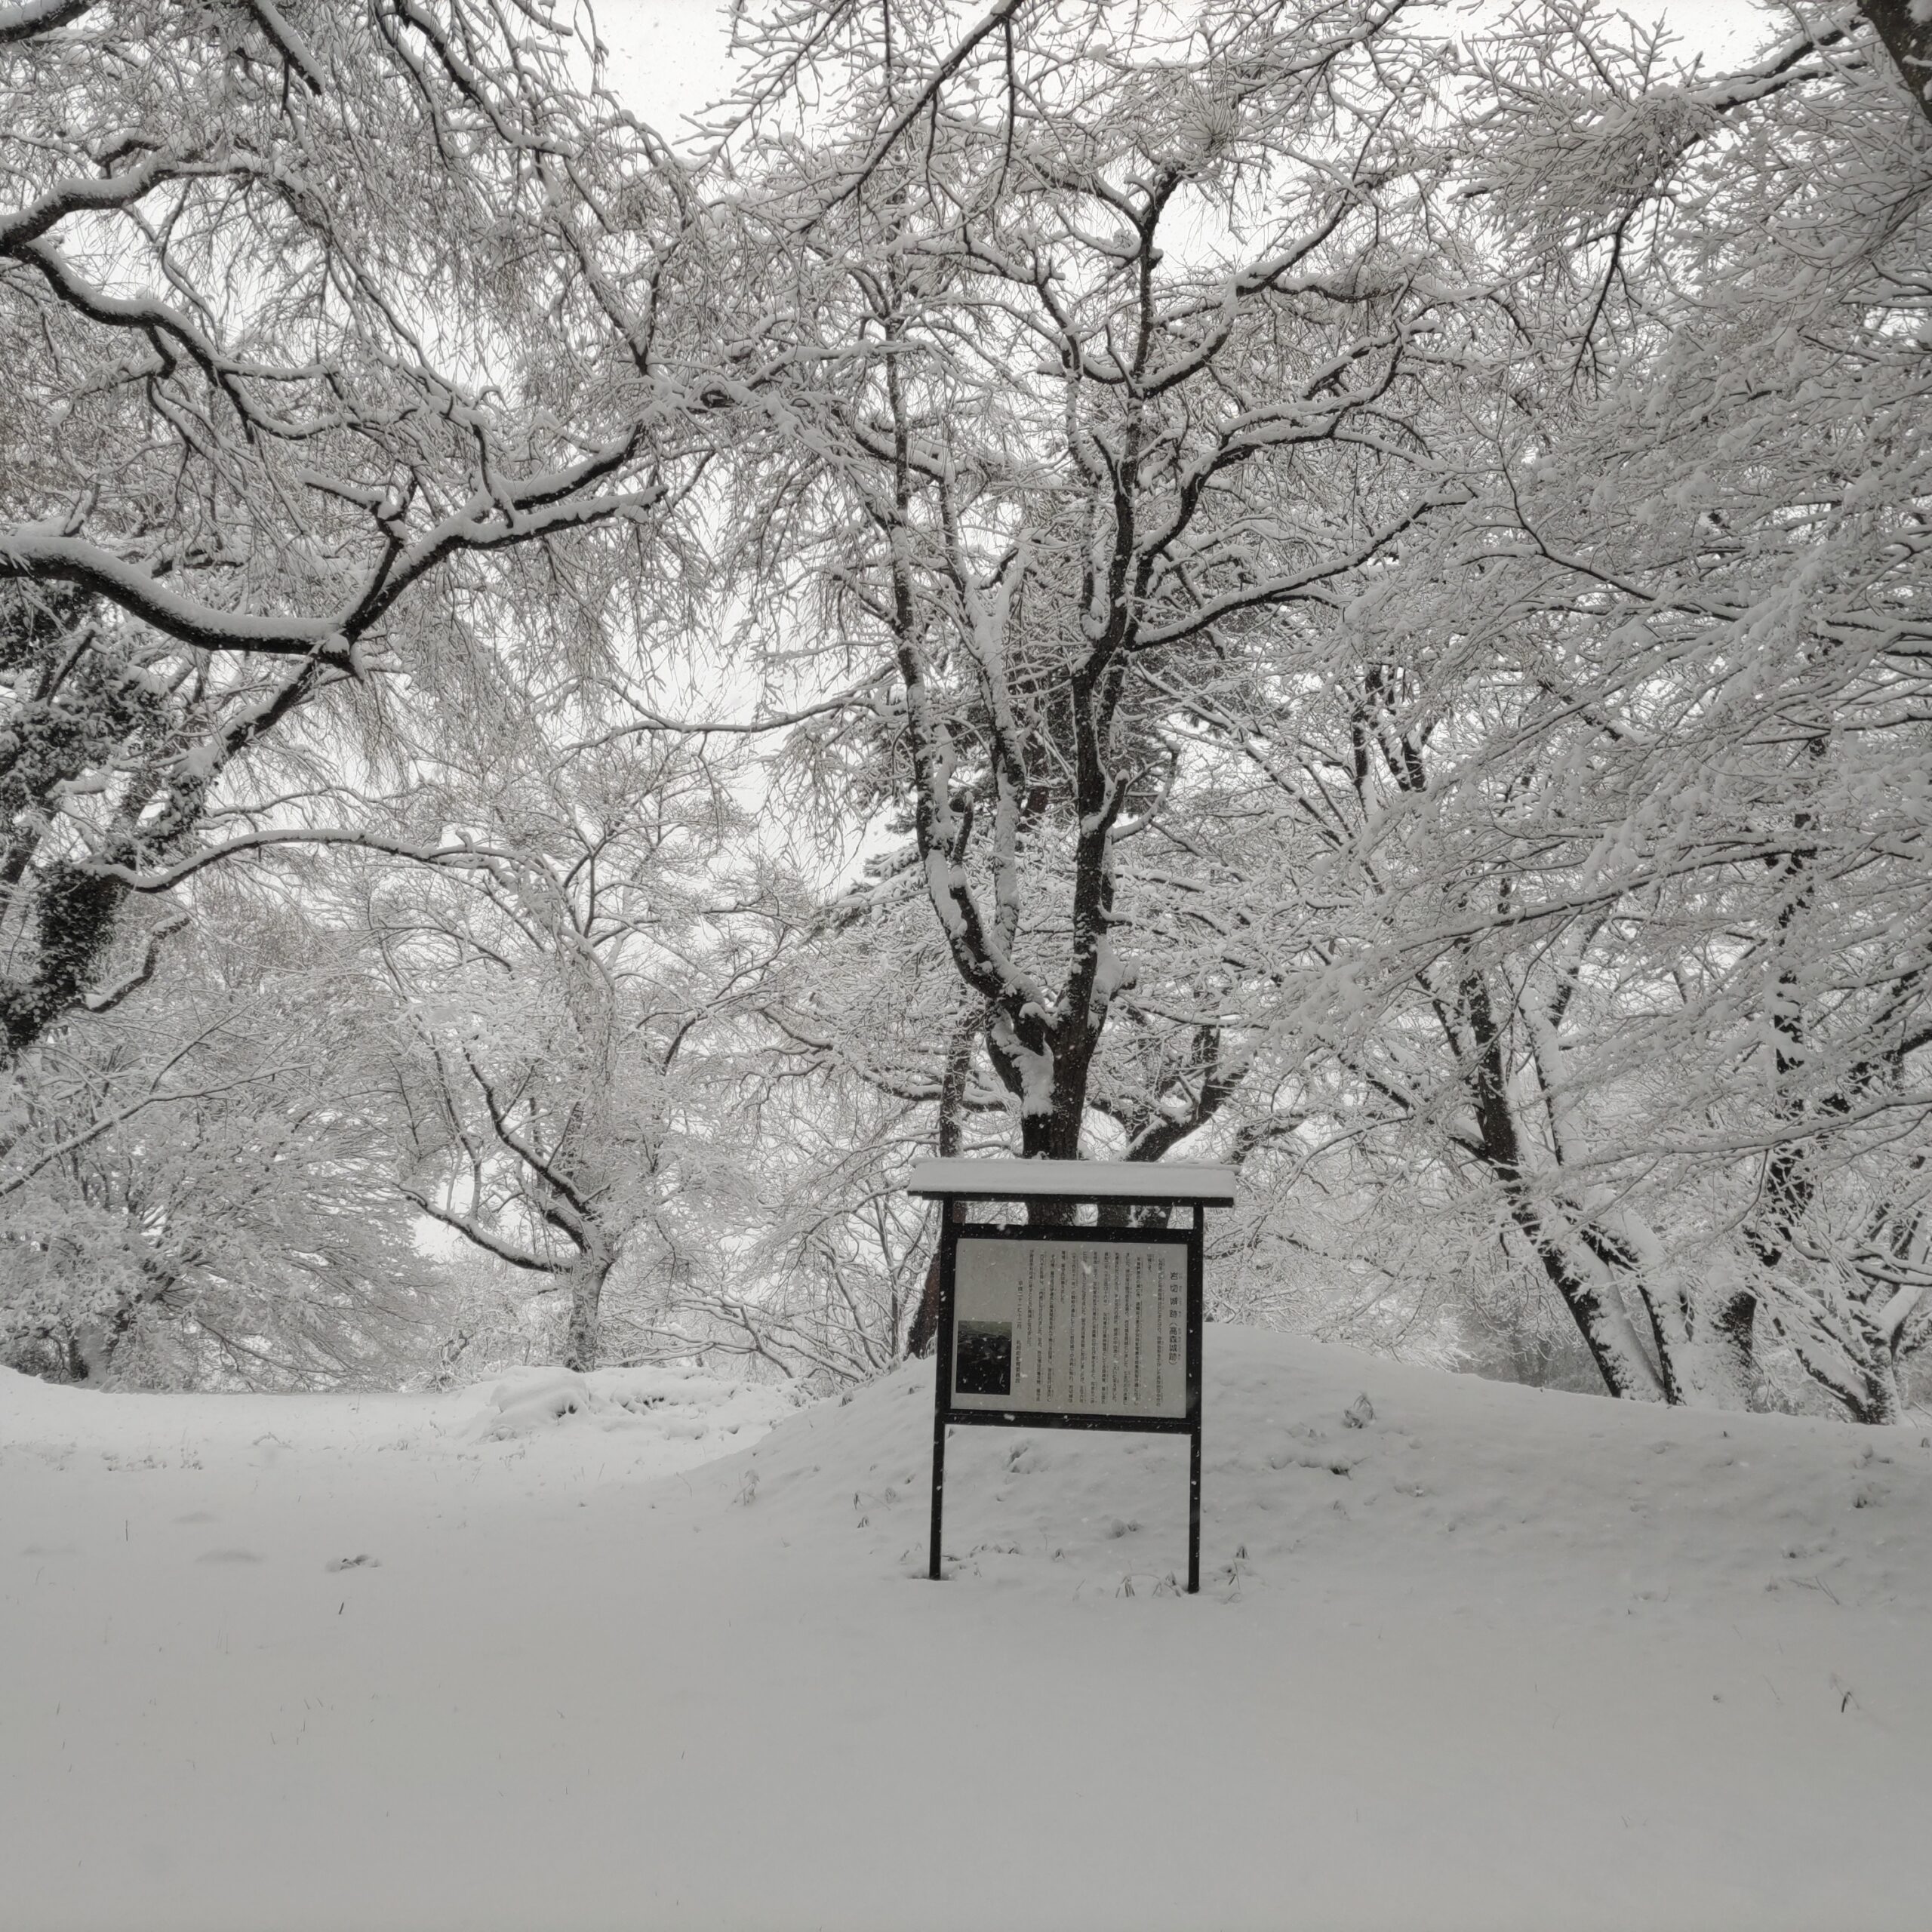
[587, 1280]
[74, 926]
[1908, 39]
[30, 17]
[1736, 1326]
[925, 1329]
[84, 708]
[1499, 1148]
[1788, 1181]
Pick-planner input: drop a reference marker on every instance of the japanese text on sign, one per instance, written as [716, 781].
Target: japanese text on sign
[1082, 1326]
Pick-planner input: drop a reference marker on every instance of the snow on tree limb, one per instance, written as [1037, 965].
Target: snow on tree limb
[26, 18]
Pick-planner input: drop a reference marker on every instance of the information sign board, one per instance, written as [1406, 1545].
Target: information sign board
[1061, 1326]
[1081, 1325]
[1070, 1327]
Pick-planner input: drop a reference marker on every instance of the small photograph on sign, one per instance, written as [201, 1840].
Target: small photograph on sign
[983, 1358]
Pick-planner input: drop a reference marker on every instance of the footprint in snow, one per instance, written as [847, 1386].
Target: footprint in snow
[229, 1556]
[354, 1563]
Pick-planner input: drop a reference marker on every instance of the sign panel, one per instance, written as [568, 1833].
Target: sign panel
[1078, 1324]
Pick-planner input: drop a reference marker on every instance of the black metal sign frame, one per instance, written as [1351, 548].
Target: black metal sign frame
[952, 1230]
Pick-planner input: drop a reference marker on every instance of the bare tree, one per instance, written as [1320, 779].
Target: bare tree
[195, 1188]
[1111, 368]
[304, 310]
[558, 984]
[1618, 767]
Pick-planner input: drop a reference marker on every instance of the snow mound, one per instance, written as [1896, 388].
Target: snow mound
[1466, 1656]
[667, 1418]
[671, 1404]
[1399, 1485]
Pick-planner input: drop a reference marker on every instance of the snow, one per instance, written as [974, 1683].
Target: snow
[663, 1404]
[524, 1655]
[1080, 1180]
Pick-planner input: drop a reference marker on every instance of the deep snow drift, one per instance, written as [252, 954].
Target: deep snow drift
[519, 1658]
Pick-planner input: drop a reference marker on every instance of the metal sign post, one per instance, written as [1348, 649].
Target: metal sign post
[1068, 1327]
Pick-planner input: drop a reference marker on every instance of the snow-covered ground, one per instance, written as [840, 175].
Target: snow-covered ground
[550, 1657]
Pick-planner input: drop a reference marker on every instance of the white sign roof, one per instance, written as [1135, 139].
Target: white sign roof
[982, 1179]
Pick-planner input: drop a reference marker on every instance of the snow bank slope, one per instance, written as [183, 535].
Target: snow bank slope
[1332, 1472]
[1490, 1659]
[649, 1412]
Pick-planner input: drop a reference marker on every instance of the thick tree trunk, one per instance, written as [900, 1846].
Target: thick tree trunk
[1883, 1403]
[1053, 1137]
[587, 1280]
[1905, 27]
[924, 1330]
[1736, 1325]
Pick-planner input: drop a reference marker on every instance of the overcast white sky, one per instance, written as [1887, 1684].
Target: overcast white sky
[673, 56]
